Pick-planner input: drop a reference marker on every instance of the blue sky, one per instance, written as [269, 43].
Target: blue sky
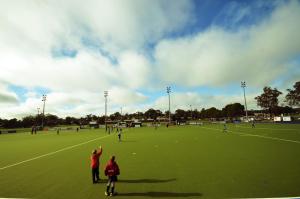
[134, 49]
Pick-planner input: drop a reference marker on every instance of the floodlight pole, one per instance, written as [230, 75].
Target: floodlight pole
[43, 100]
[169, 91]
[105, 97]
[37, 117]
[243, 85]
[121, 113]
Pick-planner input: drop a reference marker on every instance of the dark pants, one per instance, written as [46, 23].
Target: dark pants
[111, 184]
[95, 174]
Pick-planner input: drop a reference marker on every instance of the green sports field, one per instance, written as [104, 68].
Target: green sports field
[174, 162]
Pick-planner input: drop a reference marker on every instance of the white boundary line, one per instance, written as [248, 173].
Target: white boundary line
[261, 136]
[51, 153]
[268, 128]
[276, 198]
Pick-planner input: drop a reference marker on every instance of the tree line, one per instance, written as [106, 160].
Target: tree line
[268, 101]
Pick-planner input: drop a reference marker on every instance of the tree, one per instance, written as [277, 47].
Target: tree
[283, 110]
[153, 114]
[268, 99]
[28, 121]
[293, 96]
[180, 114]
[51, 120]
[233, 110]
[213, 113]
[71, 120]
[115, 116]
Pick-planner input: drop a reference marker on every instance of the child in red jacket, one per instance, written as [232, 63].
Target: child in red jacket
[111, 171]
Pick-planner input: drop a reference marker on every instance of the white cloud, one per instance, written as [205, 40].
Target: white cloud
[29, 31]
[75, 103]
[7, 97]
[258, 54]
[186, 101]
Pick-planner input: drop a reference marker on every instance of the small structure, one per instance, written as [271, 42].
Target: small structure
[136, 124]
[93, 124]
[277, 119]
[286, 118]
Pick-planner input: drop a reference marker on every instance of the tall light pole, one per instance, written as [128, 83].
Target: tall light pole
[121, 113]
[44, 100]
[37, 117]
[243, 85]
[169, 91]
[105, 96]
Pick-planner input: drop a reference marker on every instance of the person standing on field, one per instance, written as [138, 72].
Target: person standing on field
[225, 128]
[95, 163]
[119, 135]
[111, 171]
[253, 124]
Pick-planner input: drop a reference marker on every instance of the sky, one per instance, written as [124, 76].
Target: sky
[73, 50]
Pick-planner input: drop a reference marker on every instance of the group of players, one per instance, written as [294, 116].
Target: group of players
[225, 126]
[111, 171]
[110, 129]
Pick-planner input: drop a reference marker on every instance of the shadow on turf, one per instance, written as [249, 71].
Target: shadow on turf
[161, 194]
[146, 180]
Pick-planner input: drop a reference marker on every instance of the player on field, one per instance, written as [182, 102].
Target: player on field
[95, 163]
[111, 171]
[225, 128]
[119, 134]
[253, 124]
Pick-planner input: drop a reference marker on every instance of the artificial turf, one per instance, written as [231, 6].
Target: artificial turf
[174, 162]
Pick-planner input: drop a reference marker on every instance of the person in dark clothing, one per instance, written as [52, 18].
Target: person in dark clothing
[225, 128]
[253, 124]
[95, 163]
[111, 171]
[119, 135]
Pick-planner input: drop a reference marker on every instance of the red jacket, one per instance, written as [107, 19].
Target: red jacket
[95, 159]
[112, 169]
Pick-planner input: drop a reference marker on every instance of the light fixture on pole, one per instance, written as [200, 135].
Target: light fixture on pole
[105, 96]
[243, 85]
[121, 113]
[169, 91]
[43, 100]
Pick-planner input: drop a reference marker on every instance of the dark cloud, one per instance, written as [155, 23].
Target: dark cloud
[4, 98]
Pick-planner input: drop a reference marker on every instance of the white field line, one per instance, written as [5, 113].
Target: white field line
[268, 128]
[51, 153]
[276, 198]
[261, 136]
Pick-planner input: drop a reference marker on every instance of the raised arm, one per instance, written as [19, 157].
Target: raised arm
[100, 150]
